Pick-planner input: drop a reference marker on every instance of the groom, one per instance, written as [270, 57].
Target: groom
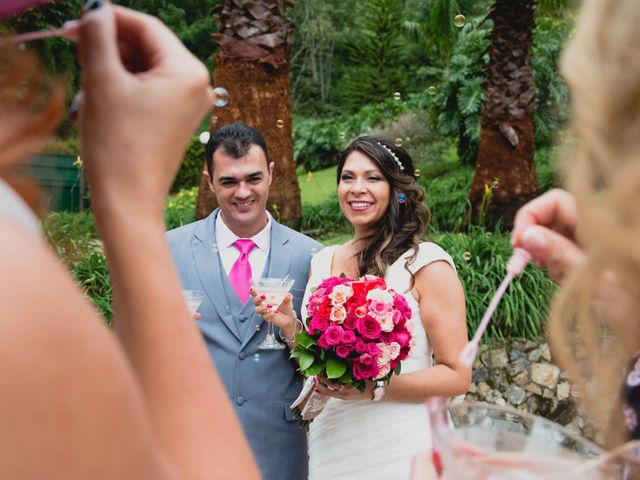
[211, 255]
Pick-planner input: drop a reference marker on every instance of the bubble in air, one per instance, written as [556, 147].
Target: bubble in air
[204, 137]
[459, 21]
[466, 256]
[417, 172]
[279, 123]
[313, 251]
[397, 96]
[256, 356]
[431, 90]
[343, 135]
[214, 249]
[309, 177]
[495, 184]
[398, 142]
[220, 97]
[213, 121]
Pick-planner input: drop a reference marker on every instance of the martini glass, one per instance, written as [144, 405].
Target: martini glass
[274, 290]
[479, 440]
[193, 298]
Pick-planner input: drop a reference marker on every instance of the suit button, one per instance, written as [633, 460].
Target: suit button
[243, 318]
[242, 356]
[240, 400]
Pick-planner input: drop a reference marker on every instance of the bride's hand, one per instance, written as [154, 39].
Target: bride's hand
[344, 392]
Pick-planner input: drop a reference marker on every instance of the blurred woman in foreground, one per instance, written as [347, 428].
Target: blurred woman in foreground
[79, 402]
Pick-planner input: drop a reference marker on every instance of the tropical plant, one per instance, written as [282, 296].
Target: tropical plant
[506, 148]
[190, 171]
[378, 64]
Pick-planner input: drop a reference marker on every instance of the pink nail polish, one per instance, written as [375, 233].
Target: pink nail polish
[262, 297]
[269, 306]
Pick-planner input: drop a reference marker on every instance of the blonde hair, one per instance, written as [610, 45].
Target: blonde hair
[30, 107]
[594, 325]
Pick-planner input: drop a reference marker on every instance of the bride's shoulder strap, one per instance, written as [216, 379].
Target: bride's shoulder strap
[428, 252]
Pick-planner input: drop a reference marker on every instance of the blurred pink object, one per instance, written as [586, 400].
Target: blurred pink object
[515, 266]
[69, 31]
[14, 7]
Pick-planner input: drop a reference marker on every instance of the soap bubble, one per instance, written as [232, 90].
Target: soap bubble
[279, 123]
[459, 21]
[466, 256]
[220, 97]
[204, 137]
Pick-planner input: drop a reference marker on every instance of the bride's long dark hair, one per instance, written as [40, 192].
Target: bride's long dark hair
[403, 224]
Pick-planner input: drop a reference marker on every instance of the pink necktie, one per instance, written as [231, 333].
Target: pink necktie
[240, 274]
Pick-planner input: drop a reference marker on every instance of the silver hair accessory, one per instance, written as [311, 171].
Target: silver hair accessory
[393, 155]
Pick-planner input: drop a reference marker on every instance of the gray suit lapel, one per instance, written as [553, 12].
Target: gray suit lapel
[209, 268]
[277, 265]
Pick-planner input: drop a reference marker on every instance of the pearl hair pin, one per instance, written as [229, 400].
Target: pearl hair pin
[393, 155]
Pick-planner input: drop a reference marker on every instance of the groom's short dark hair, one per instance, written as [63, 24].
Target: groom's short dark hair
[235, 140]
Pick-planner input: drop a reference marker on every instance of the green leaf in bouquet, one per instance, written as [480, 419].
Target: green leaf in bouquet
[346, 378]
[335, 368]
[396, 371]
[306, 360]
[305, 340]
[295, 353]
[315, 369]
[360, 385]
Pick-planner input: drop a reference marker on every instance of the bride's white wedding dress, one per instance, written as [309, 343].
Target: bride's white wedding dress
[365, 439]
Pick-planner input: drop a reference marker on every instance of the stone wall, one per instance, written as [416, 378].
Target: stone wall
[521, 375]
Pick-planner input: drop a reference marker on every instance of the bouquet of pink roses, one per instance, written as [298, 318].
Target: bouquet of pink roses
[356, 330]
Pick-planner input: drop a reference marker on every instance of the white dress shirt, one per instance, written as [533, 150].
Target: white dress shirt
[229, 253]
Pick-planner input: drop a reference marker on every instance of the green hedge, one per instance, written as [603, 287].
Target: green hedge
[481, 258]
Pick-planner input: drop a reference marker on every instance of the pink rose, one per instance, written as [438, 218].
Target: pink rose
[378, 308]
[338, 314]
[384, 371]
[386, 322]
[394, 350]
[342, 351]
[322, 342]
[332, 335]
[365, 367]
[373, 349]
[340, 294]
[350, 322]
[316, 324]
[348, 337]
[403, 337]
[361, 346]
[368, 327]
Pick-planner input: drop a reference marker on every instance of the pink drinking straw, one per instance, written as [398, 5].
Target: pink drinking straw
[515, 266]
[69, 31]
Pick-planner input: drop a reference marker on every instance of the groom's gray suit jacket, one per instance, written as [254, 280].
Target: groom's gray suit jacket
[261, 383]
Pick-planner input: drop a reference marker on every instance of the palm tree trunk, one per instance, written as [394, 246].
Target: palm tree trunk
[253, 65]
[504, 176]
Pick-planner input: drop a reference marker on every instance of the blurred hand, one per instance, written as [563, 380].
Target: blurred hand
[136, 76]
[546, 228]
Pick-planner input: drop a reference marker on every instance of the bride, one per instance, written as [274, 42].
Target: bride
[374, 434]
